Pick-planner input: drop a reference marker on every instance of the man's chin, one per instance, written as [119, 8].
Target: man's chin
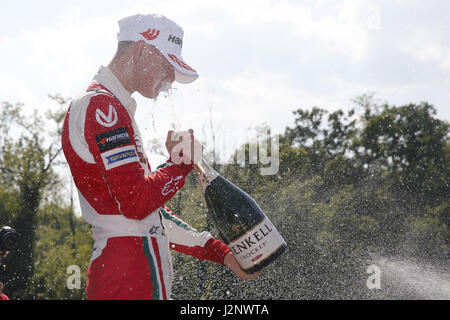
[156, 90]
[149, 95]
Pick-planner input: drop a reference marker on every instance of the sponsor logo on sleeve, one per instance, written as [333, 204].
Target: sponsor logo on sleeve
[113, 139]
[119, 156]
[171, 186]
[107, 120]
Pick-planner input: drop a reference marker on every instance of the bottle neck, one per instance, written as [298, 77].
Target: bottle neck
[205, 173]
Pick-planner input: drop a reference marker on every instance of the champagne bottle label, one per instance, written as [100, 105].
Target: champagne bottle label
[256, 245]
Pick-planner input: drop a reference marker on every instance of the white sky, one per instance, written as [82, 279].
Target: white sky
[258, 60]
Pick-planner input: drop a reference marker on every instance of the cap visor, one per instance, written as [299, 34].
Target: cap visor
[184, 78]
[183, 72]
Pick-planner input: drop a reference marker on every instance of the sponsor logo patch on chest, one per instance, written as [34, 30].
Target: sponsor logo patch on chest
[113, 139]
[119, 156]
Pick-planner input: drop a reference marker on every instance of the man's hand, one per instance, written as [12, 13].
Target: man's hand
[183, 147]
[172, 140]
[231, 262]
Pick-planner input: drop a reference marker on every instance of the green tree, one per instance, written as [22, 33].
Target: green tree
[62, 241]
[27, 156]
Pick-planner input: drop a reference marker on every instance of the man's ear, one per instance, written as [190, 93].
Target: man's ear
[137, 52]
[138, 49]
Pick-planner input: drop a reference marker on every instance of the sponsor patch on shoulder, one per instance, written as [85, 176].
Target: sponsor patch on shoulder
[119, 156]
[107, 120]
[113, 139]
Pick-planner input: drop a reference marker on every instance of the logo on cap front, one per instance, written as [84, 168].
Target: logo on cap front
[150, 34]
[175, 40]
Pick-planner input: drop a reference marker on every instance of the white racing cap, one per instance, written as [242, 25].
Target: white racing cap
[164, 34]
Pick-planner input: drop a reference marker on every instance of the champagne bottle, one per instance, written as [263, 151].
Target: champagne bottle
[242, 225]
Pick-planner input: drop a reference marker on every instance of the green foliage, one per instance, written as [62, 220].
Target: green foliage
[26, 167]
[51, 237]
[62, 240]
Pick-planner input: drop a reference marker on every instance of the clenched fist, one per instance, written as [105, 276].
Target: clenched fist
[183, 148]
